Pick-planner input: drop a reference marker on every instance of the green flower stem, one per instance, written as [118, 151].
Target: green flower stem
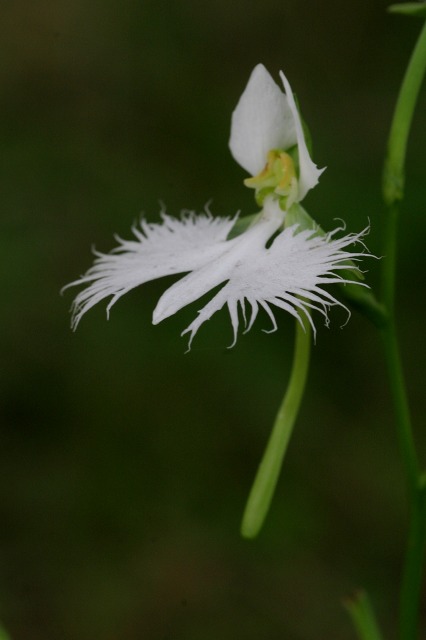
[393, 177]
[413, 564]
[413, 569]
[414, 557]
[393, 191]
[393, 359]
[270, 466]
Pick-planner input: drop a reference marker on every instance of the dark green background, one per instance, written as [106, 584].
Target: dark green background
[125, 464]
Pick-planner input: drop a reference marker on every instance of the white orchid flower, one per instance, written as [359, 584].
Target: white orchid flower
[266, 125]
[288, 273]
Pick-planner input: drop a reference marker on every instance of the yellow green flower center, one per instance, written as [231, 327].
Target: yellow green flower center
[278, 177]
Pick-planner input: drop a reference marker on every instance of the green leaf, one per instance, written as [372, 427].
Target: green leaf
[415, 9]
[363, 617]
[3, 634]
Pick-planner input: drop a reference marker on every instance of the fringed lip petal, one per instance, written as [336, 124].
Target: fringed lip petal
[175, 246]
[288, 273]
[216, 271]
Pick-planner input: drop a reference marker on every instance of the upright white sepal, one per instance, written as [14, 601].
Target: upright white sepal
[262, 120]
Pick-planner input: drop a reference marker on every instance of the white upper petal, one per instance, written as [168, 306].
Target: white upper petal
[309, 173]
[262, 120]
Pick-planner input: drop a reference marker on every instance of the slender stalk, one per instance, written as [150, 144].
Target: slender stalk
[393, 178]
[413, 564]
[270, 466]
[393, 359]
[413, 570]
[393, 190]
[414, 556]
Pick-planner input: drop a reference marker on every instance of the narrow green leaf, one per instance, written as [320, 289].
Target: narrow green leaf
[3, 634]
[363, 617]
[414, 9]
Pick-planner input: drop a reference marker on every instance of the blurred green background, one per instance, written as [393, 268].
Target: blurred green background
[126, 464]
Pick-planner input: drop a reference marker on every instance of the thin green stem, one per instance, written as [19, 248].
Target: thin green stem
[392, 355]
[393, 176]
[393, 191]
[270, 466]
[413, 570]
[401, 407]
[414, 557]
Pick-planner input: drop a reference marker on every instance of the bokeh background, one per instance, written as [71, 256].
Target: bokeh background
[125, 463]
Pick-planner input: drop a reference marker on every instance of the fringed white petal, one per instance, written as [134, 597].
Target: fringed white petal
[261, 121]
[174, 246]
[288, 275]
[217, 270]
[309, 172]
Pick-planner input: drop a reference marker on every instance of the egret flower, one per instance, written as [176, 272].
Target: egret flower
[280, 259]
